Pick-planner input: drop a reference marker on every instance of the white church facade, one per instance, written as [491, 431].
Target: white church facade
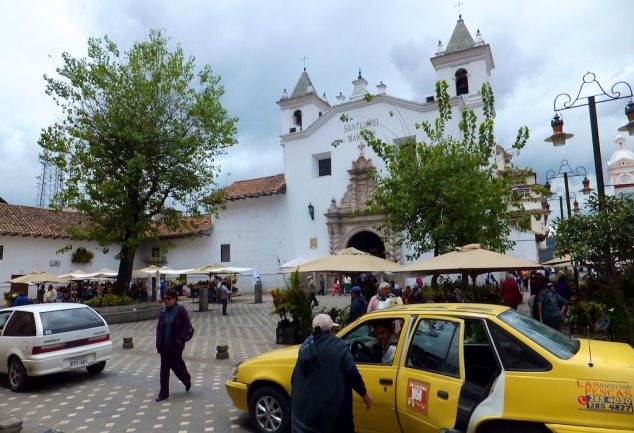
[315, 206]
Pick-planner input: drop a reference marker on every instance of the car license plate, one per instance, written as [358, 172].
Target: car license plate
[79, 361]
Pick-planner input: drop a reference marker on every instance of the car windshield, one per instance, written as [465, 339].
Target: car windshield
[553, 341]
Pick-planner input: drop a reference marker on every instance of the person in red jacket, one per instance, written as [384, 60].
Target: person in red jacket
[510, 292]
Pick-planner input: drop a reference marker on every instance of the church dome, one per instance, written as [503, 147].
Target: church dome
[621, 152]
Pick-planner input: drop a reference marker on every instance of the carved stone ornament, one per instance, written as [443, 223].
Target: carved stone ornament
[350, 216]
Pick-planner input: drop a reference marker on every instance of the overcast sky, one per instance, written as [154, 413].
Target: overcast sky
[540, 49]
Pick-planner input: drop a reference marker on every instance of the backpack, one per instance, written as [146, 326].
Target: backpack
[190, 333]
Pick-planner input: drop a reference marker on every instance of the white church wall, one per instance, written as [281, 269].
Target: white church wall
[304, 186]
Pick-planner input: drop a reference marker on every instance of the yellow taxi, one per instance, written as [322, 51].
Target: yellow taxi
[461, 368]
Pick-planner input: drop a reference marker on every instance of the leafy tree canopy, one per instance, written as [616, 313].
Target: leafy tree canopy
[138, 128]
[444, 191]
[604, 237]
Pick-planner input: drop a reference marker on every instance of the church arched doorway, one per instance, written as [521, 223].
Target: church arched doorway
[368, 242]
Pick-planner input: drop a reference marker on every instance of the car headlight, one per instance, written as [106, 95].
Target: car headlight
[234, 374]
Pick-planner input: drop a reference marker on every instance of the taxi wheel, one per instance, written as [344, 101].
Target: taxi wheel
[96, 368]
[17, 375]
[269, 410]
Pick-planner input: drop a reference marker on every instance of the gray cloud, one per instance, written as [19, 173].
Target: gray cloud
[541, 48]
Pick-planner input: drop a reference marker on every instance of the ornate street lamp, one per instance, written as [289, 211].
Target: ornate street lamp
[559, 137]
[311, 211]
[566, 171]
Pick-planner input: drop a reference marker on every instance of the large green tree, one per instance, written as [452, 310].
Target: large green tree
[139, 128]
[604, 239]
[445, 191]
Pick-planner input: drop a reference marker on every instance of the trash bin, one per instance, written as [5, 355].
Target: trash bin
[258, 292]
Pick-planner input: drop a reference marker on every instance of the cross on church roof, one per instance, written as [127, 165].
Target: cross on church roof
[459, 11]
[303, 59]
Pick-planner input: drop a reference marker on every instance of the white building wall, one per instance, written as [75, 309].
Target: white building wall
[255, 229]
[22, 255]
[304, 186]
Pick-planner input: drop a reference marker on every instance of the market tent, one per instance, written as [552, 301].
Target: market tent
[349, 260]
[471, 259]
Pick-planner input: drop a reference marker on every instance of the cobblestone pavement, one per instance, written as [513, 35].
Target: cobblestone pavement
[121, 398]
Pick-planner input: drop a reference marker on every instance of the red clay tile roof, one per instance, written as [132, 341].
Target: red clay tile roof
[259, 187]
[202, 226]
[32, 221]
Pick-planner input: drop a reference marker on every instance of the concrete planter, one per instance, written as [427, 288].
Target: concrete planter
[130, 313]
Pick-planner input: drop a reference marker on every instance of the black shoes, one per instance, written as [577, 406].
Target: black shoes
[162, 397]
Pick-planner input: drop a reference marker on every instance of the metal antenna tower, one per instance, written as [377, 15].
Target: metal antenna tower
[49, 183]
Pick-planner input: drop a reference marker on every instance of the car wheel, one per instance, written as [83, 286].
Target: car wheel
[96, 368]
[269, 409]
[17, 375]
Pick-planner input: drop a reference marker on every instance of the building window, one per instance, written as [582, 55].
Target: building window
[1, 251]
[225, 252]
[296, 121]
[324, 167]
[462, 82]
[156, 252]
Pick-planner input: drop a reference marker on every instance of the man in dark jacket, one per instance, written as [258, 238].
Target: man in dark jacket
[171, 334]
[323, 379]
[357, 304]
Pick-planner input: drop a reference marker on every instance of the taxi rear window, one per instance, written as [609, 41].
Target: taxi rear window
[57, 322]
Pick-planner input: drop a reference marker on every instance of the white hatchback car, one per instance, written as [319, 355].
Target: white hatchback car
[49, 338]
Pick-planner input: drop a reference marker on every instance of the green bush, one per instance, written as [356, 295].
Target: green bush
[109, 300]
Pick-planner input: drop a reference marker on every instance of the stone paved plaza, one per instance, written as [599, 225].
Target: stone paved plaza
[121, 399]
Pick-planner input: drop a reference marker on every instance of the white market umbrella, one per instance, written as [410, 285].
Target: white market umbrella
[292, 264]
[76, 274]
[563, 260]
[350, 260]
[36, 277]
[101, 274]
[470, 259]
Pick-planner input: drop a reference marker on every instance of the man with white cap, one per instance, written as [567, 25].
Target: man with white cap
[323, 379]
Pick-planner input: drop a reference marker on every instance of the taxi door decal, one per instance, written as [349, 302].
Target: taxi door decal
[418, 395]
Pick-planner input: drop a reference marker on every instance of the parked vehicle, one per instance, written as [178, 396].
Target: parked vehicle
[461, 368]
[41, 339]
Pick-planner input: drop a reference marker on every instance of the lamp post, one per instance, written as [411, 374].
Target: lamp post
[559, 194]
[559, 137]
[566, 171]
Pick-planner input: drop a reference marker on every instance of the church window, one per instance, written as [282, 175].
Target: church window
[462, 82]
[1, 251]
[297, 121]
[225, 252]
[324, 167]
[320, 114]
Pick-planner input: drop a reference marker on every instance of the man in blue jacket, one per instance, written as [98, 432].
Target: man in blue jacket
[323, 379]
[357, 304]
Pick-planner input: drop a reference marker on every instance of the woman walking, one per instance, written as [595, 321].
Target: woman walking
[172, 332]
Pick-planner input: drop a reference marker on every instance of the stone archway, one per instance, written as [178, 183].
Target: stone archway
[367, 241]
[350, 217]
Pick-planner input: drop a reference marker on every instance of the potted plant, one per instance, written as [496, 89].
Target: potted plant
[293, 307]
[82, 255]
[9, 297]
